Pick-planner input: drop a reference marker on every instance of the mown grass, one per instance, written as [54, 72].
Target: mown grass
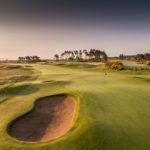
[114, 109]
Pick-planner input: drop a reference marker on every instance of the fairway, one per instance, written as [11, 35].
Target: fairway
[112, 113]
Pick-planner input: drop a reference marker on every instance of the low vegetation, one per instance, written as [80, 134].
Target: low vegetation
[138, 58]
[117, 65]
[147, 62]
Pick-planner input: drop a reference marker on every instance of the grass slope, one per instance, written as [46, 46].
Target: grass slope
[114, 109]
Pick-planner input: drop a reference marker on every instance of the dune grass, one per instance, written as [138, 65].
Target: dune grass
[114, 111]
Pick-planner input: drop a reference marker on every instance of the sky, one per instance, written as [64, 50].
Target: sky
[46, 27]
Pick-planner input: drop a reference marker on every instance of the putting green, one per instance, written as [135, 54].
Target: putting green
[114, 112]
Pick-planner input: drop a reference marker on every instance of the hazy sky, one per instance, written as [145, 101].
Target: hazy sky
[46, 27]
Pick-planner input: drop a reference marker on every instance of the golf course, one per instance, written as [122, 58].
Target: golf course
[93, 108]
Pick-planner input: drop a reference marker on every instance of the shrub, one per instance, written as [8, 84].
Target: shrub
[147, 62]
[117, 65]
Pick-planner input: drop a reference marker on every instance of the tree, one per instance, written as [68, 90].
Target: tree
[85, 52]
[56, 56]
[21, 59]
[28, 58]
[93, 54]
[139, 57]
[97, 55]
[62, 56]
[76, 54]
[147, 56]
[105, 57]
[35, 58]
[121, 56]
[80, 54]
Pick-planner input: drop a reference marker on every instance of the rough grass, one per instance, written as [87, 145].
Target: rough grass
[114, 109]
[11, 76]
[132, 65]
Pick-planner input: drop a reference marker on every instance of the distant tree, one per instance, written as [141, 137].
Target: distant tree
[73, 56]
[139, 57]
[147, 56]
[105, 57]
[85, 52]
[21, 59]
[93, 54]
[76, 54]
[56, 56]
[80, 54]
[28, 58]
[97, 55]
[62, 56]
[121, 56]
[35, 58]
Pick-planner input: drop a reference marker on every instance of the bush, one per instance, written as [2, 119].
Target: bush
[147, 62]
[117, 65]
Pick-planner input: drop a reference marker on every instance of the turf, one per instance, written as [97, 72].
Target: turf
[114, 110]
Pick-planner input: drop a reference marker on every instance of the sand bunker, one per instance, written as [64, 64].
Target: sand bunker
[51, 117]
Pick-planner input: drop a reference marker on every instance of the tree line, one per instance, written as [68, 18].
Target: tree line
[137, 57]
[82, 55]
[145, 56]
[29, 59]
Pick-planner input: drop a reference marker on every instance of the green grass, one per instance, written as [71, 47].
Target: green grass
[131, 65]
[114, 111]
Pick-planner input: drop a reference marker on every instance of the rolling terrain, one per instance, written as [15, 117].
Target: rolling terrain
[113, 113]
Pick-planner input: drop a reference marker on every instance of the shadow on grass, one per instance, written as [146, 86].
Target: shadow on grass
[8, 92]
[21, 78]
[19, 90]
[17, 79]
[77, 65]
[14, 67]
[140, 79]
[52, 84]
[31, 88]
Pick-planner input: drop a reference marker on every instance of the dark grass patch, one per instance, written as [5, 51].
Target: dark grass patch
[60, 74]
[19, 90]
[49, 81]
[80, 65]
[17, 79]
[31, 88]
[54, 83]
[14, 67]
[140, 79]
[89, 65]
[137, 68]
[28, 66]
